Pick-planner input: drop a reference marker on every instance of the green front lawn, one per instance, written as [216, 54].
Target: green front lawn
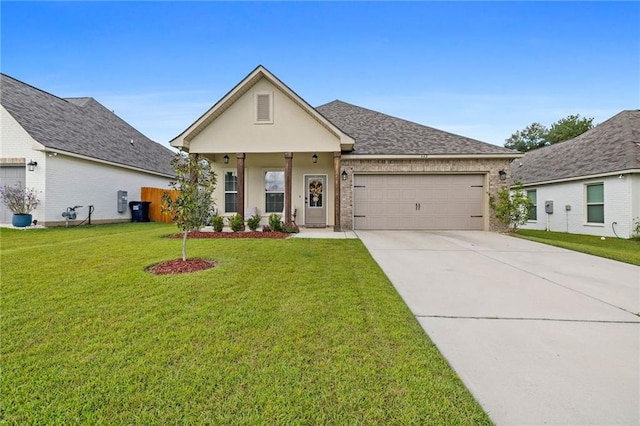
[627, 251]
[281, 332]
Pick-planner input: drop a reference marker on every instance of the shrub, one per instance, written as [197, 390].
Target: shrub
[217, 222]
[512, 206]
[19, 200]
[635, 231]
[254, 222]
[236, 222]
[275, 224]
[291, 228]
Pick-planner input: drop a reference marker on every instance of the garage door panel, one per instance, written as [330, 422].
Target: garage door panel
[437, 202]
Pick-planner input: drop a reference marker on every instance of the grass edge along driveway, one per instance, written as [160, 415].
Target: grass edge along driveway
[295, 331]
[619, 249]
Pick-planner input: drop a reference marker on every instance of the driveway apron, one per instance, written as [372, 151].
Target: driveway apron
[539, 334]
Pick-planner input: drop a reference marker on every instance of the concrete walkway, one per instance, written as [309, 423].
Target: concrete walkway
[539, 335]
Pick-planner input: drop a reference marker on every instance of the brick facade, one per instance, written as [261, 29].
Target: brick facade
[486, 166]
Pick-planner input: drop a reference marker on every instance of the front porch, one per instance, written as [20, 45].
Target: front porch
[303, 187]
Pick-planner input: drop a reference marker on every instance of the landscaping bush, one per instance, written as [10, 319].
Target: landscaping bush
[636, 229]
[275, 223]
[291, 228]
[236, 222]
[217, 222]
[254, 222]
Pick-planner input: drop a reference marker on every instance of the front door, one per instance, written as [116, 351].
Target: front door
[315, 209]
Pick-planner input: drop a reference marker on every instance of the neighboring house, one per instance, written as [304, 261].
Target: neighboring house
[84, 153]
[589, 184]
[340, 165]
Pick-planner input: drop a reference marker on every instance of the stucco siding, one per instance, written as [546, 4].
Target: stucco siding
[292, 129]
[487, 167]
[618, 207]
[72, 181]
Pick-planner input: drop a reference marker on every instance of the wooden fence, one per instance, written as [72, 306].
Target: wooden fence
[155, 208]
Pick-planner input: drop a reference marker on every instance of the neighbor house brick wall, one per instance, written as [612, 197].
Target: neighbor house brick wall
[73, 181]
[488, 167]
[618, 207]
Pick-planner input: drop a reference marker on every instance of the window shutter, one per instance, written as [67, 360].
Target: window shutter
[263, 107]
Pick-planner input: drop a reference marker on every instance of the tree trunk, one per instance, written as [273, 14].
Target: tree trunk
[184, 246]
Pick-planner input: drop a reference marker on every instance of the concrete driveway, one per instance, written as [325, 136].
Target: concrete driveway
[539, 335]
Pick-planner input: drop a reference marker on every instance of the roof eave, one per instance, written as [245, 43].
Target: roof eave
[110, 163]
[507, 155]
[577, 178]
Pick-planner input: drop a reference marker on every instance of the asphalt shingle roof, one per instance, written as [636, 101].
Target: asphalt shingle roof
[81, 126]
[381, 134]
[610, 147]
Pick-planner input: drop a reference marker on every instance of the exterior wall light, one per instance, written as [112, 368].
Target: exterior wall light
[225, 159]
[503, 175]
[315, 158]
[31, 165]
[344, 175]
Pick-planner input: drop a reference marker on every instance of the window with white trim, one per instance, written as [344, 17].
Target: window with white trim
[264, 108]
[532, 194]
[595, 203]
[230, 191]
[274, 191]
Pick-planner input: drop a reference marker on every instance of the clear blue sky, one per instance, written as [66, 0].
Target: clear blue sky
[479, 69]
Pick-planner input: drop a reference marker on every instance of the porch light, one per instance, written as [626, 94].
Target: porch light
[315, 158]
[225, 159]
[344, 175]
[31, 165]
[503, 175]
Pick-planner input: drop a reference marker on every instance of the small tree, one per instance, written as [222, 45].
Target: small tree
[195, 182]
[512, 206]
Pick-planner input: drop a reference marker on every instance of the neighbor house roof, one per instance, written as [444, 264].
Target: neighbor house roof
[81, 126]
[380, 134]
[611, 147]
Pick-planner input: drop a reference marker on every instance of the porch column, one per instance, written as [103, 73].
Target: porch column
[240, 185]
[337, 182]
[288, 157]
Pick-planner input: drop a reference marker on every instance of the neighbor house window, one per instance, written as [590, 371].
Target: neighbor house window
[595, 203]
[264, 108]
[230, 192]
[533, 211]
[274, 191]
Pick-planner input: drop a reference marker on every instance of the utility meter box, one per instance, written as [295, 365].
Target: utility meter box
[122, 201]
[548, 207]
[567, 207]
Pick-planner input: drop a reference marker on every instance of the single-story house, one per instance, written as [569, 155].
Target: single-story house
[74, 152]
[340, 165]
[589, 184]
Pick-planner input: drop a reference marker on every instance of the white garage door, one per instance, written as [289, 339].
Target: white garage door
[10, 175]
[419, 202]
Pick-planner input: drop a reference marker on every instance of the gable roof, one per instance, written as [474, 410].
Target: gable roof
[611, 147]
[240, 89]
[376, 133]
[81, 126]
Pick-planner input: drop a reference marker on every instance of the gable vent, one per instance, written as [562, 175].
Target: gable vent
[263, 108]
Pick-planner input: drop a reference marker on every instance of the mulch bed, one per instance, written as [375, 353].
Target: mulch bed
[179, 266]
[249, 234]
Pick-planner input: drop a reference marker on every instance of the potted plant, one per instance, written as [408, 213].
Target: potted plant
[21, 201]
